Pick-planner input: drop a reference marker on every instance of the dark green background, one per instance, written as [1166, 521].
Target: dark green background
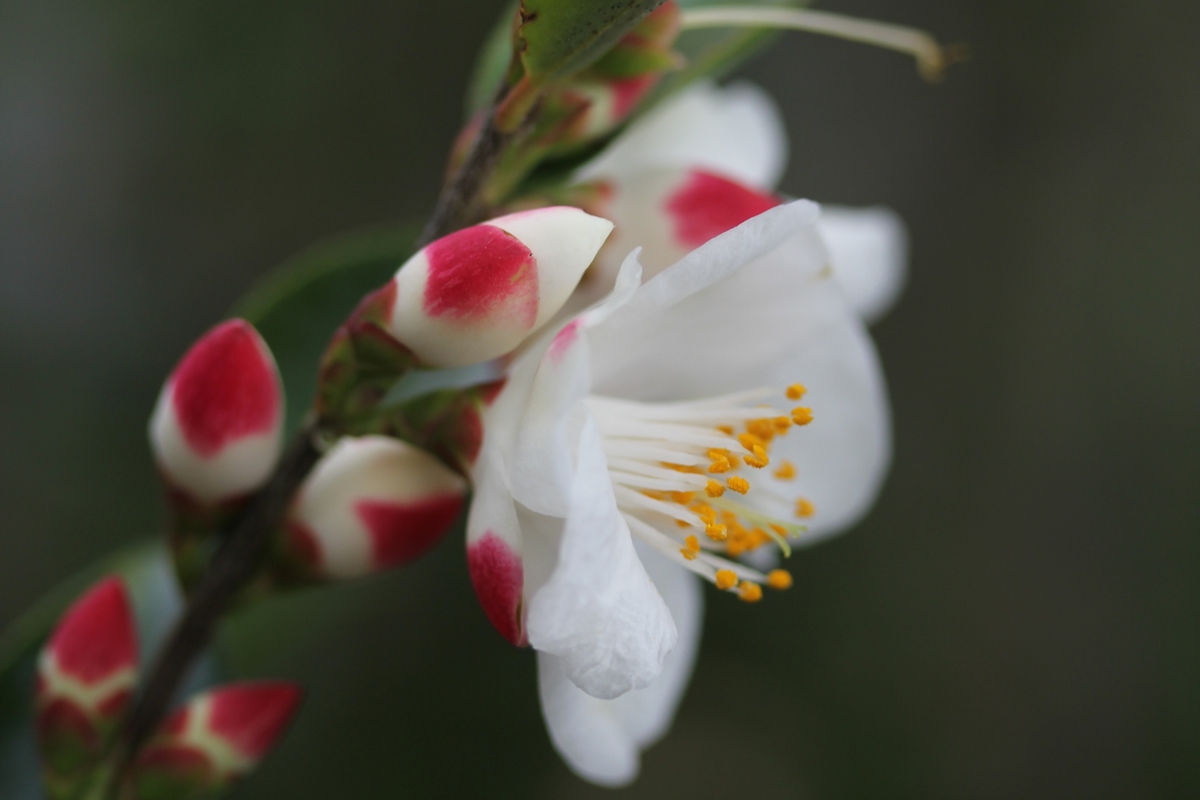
[1016, 618]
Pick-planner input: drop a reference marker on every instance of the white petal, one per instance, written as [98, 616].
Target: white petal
[599, 611]
[869, 251]
[718, 259]
[717, 340]
[736, 131]
[601, 739]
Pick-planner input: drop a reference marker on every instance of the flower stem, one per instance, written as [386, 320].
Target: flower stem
[932, 58]
[458, 204]
[244, 544]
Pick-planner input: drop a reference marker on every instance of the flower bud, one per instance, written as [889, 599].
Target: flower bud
[86, 677]
[216, 430]
[478, 293]
[215, 739]
[372, 503]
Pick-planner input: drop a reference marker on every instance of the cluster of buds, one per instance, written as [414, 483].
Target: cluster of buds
[87, 675]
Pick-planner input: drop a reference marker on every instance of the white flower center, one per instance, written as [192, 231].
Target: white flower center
[677, 468]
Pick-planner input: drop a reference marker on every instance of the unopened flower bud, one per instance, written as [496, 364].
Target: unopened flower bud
[86, 677]
[215, 739]
[372, 503]
[216, 431]
[478, 293]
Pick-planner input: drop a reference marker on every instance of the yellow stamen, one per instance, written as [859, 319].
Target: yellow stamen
[750, 592]
[779, 579]
[796, 391]
[726, 579]
[714, 489]
[759, 459]
[705, 512]
[782, 425]
[802, 415]
[726, 429]
[804, 508]
[715, 532]
[739, 484]
[749, 441]
[684, 498]
[692, 548]
[786, 471]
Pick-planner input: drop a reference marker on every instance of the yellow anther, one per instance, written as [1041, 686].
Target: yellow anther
[735, 548]
[782, 424]
[719, 467]
[750, 592]
[759, 459]
[739, 484]
[692, 548]
[714, 489]
[705, 512]
[779, 579]
[715, 532]
[726, 579]
[749, 440]
[762, 428]
[684, 498]
[786, 471]
[796, 391]
[683, 523]
[733, 461]
[804, 508]
[782, 531]
[802, 415]
[726, 429]
[758, 537]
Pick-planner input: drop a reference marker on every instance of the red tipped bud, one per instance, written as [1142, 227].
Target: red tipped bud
[372, 503]
[215, 739]
[216, 431]
[86, 676]
[477, 294]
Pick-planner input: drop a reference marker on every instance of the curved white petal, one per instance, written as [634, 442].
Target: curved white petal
[599, 612]
[736, 131]
[868, 248]
[601, 740]
[719, 338]
[717, 259]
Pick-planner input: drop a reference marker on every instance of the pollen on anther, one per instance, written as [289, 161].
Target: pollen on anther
[802, 415]
[750, 592]
[739, 484]
[726, 579]
[796, 391]
[759, 458]
[749, 441]
[716, 532]
[805, 508]
[779, 579]
[714, 489]
[692, 548]
[786, 471]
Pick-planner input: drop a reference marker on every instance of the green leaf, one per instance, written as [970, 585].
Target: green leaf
[493, 62]
[299, 306]
[561, 37]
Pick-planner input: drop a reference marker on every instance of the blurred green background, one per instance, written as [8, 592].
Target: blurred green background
[1019, 615]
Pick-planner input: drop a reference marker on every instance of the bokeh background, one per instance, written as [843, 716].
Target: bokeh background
[1019, 615]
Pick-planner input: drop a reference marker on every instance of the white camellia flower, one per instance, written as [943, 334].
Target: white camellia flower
[708, 159]
[657, 433]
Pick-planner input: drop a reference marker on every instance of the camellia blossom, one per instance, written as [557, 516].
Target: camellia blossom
[662, 432]
[708, 159]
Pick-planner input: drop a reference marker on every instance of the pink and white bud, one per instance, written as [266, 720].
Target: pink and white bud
[217, 429]
[370, 504]
[85, 679]
[215, 739]
[670, 212]
[478, 293]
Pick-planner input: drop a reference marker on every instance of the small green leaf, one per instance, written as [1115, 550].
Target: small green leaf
[299, 306]
[561, 37]
[493, 62]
